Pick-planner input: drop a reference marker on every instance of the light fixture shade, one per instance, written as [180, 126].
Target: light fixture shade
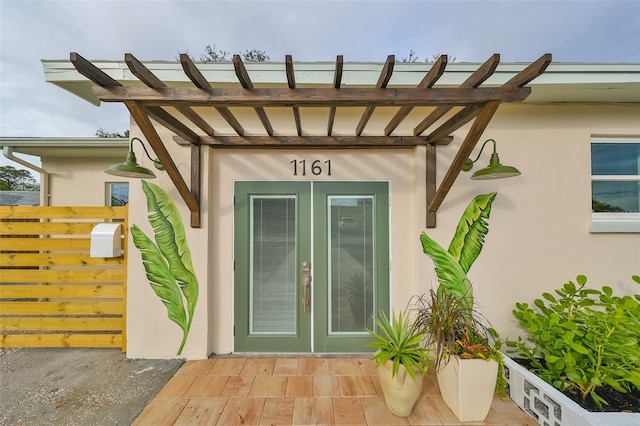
[130, 168]
[495, 170]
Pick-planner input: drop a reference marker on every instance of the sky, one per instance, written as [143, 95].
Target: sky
[469, 31]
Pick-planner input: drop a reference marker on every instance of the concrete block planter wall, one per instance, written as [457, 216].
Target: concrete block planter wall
[550, 407]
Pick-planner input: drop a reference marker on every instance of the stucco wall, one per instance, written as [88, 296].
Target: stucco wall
[539, 228]
[150, 334]
[75, 181]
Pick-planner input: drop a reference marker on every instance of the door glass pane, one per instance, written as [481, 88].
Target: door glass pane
[273, 265]
[351, 264]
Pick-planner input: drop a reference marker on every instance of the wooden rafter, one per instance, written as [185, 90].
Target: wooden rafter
[291, 80]
[337, 80]
[245, 81]
[194, 74]
[476, 79]
[191, 199]
[427, 82]
[474, 102]
[383, 80]
[148, 78]
[141, 117]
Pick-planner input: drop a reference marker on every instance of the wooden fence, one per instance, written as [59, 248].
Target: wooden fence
[52, 293]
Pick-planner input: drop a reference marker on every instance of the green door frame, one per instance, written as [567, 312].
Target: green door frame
[309, 196]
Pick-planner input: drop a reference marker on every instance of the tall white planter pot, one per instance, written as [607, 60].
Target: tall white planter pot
[400, 391]
[467, 387]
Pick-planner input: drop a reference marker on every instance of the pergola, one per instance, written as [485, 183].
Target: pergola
[170, 106]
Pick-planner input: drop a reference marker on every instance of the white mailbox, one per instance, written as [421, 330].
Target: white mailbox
[106, 240]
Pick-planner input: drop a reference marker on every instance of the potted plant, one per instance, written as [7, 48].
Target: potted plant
[467, 352]
[401, 361]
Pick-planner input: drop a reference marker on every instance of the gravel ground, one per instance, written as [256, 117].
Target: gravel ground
[66, 386]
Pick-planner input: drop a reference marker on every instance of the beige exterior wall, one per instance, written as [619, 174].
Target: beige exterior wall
[539, 228]
[77, 181]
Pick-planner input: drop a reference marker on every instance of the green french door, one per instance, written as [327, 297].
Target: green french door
[311, 264]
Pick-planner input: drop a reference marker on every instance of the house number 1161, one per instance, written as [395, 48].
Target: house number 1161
[316, 168]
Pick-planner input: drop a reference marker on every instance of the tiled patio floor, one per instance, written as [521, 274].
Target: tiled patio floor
[298, 391]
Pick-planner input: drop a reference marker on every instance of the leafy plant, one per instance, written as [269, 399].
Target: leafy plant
[451, 329]
[582, 339]
[398, 342]
[168, 264]
[452, 265]
[448, 316]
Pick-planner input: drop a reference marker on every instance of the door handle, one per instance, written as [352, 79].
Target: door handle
[306, 283]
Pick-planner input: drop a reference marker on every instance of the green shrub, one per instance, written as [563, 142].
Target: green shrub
[582, 339]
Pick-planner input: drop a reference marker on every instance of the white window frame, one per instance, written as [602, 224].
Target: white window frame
[615, 222]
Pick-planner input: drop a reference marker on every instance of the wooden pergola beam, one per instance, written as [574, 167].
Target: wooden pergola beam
[383, 80]
[245, 81]
[428, 81]
[199, 80]
[311, 97]
[157, 101]
[291, 80]
[461, 118]
[141, 117]
[92, 72]
[191, 199]
[170, 122]
[531, 72]
[382, 142]
[147, 77]
[430, 184]
[470, 141]
[337, 81]
[485, 71]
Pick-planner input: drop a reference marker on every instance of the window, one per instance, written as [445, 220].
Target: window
[615, 185]
[117, 194]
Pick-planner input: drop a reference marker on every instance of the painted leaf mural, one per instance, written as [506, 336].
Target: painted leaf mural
[451, 276]
[168, 264]
[472, 228]
[452, 265]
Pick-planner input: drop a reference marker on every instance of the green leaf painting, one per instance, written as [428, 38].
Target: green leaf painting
[453, 264]
[168, 262]
[451, 276]
[469, 236]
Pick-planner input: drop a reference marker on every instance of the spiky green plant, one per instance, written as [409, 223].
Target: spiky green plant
[168, 264]
[397, 341]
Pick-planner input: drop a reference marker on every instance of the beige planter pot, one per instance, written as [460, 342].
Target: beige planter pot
[467, 387]
[400, 391]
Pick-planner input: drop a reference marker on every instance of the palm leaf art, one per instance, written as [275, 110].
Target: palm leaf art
[452, 265]
[469, 236]
[451, 276]
[168, 264]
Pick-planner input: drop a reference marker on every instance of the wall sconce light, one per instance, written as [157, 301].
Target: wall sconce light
[494, 170]
[131, 169]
